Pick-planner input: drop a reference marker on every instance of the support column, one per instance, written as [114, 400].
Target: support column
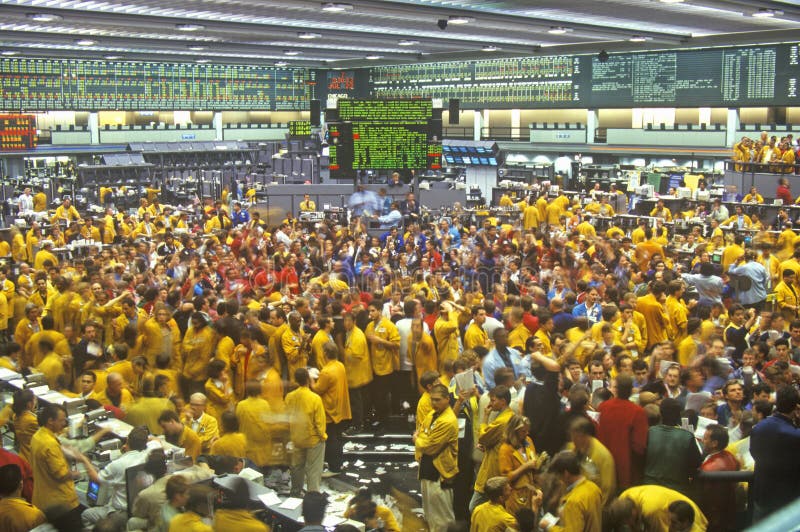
[216, 120]
[592, 120]
[515, 124]
[732, 126]
[477, 125]
[94, 128]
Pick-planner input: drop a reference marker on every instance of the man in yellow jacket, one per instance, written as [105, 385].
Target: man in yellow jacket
[475, 335]
[445, 331]
[582, 505]
[179, 434]
[307, 434]
[332, 387]
[359, 371]
[491, 436]
[492, 515]
[53, 488]
[384, 341]
[203, 424]
[257, 422]
[197, 350]
[436, 450]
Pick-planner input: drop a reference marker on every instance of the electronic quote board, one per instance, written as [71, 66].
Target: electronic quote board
[45, 84]
[723, 77]
[552, 81]
[17, 132]
[383, 135]
[300, 128]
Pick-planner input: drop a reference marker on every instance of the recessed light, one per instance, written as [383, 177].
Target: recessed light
[330, 7]
[281, 64]
[766, 13]
[44, 17]
[292, 52]
[203, 61]
[308, 35]
[196, 47]
[112, 57]
[558, 30]
[85, 42]
[490, 48]
[407, 42]
[639, 38]
[373, 57]
[8, 52]
[455, 19]
[189, 27]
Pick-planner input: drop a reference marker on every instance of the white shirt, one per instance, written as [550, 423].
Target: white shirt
[404, 329]
[491, 325]
[113, 476]
[25, 203]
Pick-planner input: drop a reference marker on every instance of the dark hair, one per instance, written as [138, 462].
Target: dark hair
[301, 376]
[168, 415]
[719, 434]
[137, 438]
[21, 400]
[670, 412]
[229, 422]
[428, 378]
[565, 461]
[624, 386]
[10, 479]
[786, 399]
[314, 505]
[501, 392]
[48, 413]
[682, 510]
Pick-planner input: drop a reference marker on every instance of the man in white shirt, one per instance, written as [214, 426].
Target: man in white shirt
[404, 381]
[26, 202]
[112, 478]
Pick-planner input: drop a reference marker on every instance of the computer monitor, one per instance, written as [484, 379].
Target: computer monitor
[136, 479]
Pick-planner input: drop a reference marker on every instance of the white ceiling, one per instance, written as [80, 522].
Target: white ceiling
[262, 31]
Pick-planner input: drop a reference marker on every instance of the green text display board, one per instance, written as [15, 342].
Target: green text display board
[755, 75]
[42, 84]
[384, 135]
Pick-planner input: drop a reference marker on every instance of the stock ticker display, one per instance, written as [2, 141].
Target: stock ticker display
[44, 84]
[753, 75]
[383, 135]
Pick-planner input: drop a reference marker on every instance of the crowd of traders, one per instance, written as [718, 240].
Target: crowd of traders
[767, 153]
[556, 371]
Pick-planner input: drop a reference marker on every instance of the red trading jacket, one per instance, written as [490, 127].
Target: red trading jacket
[623, 430]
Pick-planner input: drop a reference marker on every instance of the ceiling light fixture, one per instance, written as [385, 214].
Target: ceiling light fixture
[196, 47]
[330, 7]
[44, 17]
[639, 38]
[8, 52]
[373, 57]
[308, 35]
[189, 27]
[767, 13]
[281, 64]
[671, 1]
[490, 48]
[203, 61]
[112, 57]
[292, 52]
[407, 42]
[456, 19]
[85, 42]
[558, 30]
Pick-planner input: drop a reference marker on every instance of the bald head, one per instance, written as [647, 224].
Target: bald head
[114, 384]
